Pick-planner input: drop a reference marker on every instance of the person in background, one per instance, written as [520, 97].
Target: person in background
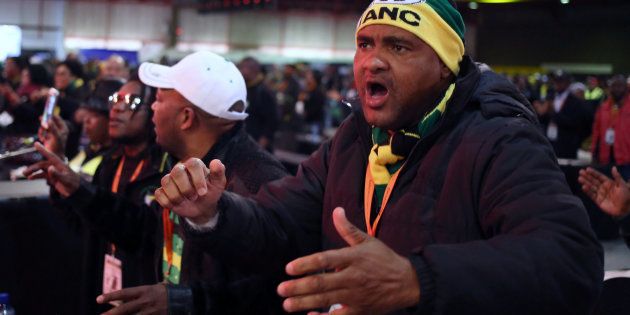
[262, 109]
[288, 90]
[611, 129]
[95, 126]
[438, 195]
[68, 80]
[578, 89]
[12, 72]
[314, 99]
[114, 67]
[114, 255]
[24, 102]
[566, 120]
[594, 94]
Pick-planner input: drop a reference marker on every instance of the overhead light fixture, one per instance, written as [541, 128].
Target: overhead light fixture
[564, 1]
[473, 5]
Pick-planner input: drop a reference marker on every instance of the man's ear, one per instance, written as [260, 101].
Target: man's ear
[187, 119]
[445, 72]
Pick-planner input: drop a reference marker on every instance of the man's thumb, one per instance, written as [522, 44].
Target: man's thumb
[217, 173]
[616, 176]
[350, 233]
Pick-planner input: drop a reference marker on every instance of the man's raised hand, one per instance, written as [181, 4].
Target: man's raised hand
[57, 172]
[192, 190]
[365, 278]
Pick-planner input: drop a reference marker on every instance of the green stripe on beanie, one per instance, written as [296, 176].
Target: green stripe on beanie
[450, 15]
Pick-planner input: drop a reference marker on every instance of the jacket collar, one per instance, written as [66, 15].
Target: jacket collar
[220, 149]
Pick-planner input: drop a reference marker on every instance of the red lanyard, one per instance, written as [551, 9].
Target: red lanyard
[168, 239]
[134, 176]
[368, 197]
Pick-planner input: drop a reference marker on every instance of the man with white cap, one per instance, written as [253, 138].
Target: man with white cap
[452, 200]
[198, 113]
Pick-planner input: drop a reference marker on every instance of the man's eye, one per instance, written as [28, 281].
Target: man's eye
[399, 48]
[363, 45]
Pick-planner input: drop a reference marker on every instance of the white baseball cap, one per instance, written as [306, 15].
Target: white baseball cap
[206, 79]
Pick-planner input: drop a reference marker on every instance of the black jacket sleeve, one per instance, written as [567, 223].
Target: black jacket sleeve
[536, 234]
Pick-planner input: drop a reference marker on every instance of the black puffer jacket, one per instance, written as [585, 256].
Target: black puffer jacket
[481, 209]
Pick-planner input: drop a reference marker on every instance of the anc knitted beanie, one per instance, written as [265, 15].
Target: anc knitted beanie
[436, 22]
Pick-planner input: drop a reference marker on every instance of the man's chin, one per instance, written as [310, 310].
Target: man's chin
[380, 122]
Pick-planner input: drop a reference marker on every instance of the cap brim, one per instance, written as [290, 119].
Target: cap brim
[155, 75]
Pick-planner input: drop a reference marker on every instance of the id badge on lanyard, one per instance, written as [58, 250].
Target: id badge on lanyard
[112, 274]
[552, 131]
[610, 136]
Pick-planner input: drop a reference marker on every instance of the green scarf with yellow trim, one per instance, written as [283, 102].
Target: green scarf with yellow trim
[390, 150]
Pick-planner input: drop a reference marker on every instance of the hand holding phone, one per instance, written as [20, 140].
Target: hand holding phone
[49, 108]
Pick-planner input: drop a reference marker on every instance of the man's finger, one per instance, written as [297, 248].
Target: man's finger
[313, 284]
[314, 301]
[38, 166]
[618, 179]
[197, 172]
[350, 233]
[344, 311]
[170, 190]
[53, 128]
[162, 199]
[596, 176]
[590, 191]
[128, 308]
[586, 179]
[329, 260]
[120, 295]
[53, 158]
[57, 122]
[180, 178]
[39, 175]
[217, 173]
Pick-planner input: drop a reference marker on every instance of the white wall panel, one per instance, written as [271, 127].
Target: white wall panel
[344, 33]
[139, 21]
[41, 22]
[309, 31]
[10, 12]
[87, 20]
[255, 29]
[209, 28]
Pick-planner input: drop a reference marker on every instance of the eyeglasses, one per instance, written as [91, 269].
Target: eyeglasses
[132, 101]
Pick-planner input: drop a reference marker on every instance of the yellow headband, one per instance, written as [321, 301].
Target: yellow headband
[422, 20]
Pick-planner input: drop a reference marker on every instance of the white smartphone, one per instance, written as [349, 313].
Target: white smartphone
[49, 108]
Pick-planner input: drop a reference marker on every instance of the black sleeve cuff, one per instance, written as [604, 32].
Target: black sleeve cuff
[180, 300]
[427, 286]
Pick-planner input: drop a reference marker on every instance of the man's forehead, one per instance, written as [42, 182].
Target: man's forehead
[381, 31]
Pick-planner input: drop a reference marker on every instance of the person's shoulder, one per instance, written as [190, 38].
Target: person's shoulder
[247, 156]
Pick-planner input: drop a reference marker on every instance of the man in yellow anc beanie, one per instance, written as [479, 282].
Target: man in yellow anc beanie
[439, 194]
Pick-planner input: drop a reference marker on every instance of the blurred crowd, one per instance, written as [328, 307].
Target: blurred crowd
[295, 107]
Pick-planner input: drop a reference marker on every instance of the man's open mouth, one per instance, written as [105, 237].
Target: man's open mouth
[376, 89]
